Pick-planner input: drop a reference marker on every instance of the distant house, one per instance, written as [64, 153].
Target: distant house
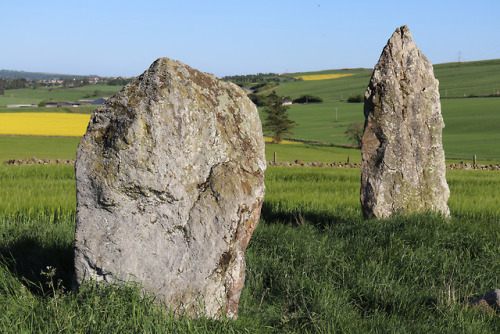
[61, 104]
[22, 105]
[99, 101]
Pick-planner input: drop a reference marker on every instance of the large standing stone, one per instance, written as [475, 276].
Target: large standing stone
[170, 183]
[403, 166]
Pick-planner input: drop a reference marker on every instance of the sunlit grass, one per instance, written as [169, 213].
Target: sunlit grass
[313, 264]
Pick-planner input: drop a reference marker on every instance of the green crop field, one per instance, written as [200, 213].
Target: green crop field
[471, 128]
[324, 122]
[23, 147]
[313, 264]
[310, 153]
[329, 90]
[469, 78]
[480, 78]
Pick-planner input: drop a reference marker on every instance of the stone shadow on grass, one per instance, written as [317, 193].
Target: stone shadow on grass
[38, 266]
[318, 219]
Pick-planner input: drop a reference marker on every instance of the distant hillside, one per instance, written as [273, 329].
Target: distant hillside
[7, 74]
[477, 78]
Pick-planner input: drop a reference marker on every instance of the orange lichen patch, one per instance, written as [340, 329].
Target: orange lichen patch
[323, 76]
[44, 124]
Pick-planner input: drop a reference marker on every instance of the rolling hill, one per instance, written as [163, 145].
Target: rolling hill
[477, 78]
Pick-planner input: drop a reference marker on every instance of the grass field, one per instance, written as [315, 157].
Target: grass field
[23, 147]
[313, 265]
[455, 80]
[470, 130]
[471, 126]
[469, 78]
[324, 122]
[470, 122]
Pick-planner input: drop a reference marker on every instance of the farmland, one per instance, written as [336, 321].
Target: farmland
[478, 78]
[35, 96]
[313, 264]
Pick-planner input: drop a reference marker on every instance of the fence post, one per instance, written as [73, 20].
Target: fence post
[275, 157]
[348, 159]
[474, 160]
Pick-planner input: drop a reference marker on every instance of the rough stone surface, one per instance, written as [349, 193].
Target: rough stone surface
[489, 302]
[403, 167]
[170, 183]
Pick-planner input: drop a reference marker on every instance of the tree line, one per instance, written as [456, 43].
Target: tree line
[243, 80]
[21, 83]
[13, 84]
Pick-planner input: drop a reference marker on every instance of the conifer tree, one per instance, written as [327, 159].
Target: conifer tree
[277, 117]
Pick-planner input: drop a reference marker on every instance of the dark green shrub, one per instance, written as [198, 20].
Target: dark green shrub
[308, 99]
[355, 99]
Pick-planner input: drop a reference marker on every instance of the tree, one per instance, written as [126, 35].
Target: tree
[277, 117]
[354, 133]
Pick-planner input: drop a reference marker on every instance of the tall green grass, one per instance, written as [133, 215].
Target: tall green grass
[313, 265]
[37, 189]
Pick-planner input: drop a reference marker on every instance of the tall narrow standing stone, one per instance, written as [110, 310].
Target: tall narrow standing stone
[170, 183]
[403, 167]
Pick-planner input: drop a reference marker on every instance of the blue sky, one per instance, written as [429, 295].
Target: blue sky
[122, 38]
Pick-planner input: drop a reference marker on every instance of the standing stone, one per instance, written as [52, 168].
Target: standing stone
[403, 167]
[170, 183]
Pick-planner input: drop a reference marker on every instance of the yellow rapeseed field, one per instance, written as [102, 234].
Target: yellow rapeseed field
[323, 76]
[43, 124]
[56, 124]
[270, 140]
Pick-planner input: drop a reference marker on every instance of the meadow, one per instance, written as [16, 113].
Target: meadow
[475, 78]
[470, 127]
[313, 264]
